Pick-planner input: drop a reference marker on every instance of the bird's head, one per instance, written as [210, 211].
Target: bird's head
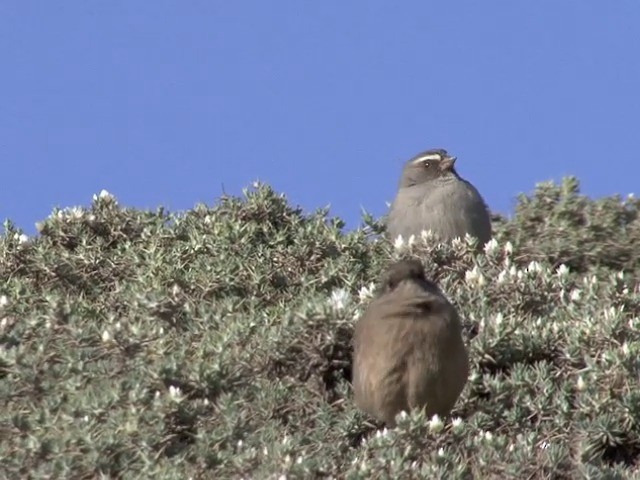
[427, 166]
[407, 269]
[406, 279]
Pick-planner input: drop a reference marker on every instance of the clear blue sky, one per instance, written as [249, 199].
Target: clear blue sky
[164, 102]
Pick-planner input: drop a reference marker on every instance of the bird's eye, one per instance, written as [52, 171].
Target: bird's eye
[427, 164]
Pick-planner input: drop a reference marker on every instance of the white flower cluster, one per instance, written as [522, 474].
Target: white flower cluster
[21, 238]
[427, 237]
[474, 277]
[104, 196]
[366, 292]
[339, 299]
[76, 213]
[172, 394]
[491, 247]
[71, 213]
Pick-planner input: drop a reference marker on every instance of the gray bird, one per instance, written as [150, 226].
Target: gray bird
[432, 196]
[408, 348]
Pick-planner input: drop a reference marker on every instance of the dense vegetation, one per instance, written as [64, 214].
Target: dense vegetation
[216, 344]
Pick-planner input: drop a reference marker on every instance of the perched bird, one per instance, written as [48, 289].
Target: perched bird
[408, 348]
[432, 196]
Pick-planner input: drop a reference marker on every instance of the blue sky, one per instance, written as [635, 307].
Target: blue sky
[169, 102]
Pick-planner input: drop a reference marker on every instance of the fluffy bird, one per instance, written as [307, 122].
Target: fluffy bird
[432, 196]
[408, 348]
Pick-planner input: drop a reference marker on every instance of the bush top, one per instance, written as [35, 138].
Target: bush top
[216, 343]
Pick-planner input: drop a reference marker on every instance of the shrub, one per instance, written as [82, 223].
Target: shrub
[216, 344]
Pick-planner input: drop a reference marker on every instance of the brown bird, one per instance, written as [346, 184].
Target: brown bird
[408, 348]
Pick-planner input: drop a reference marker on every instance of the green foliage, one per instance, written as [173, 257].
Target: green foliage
[559, 225]
[216, 344]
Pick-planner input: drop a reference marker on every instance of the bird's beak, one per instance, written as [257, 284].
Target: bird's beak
[447, 163]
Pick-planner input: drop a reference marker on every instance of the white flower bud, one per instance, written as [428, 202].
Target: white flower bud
[456, 423]
[366, 292]
[491, 246]
[508, 248]
[398, 243]
[562, 270]
[436, 424]
[339, 299]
